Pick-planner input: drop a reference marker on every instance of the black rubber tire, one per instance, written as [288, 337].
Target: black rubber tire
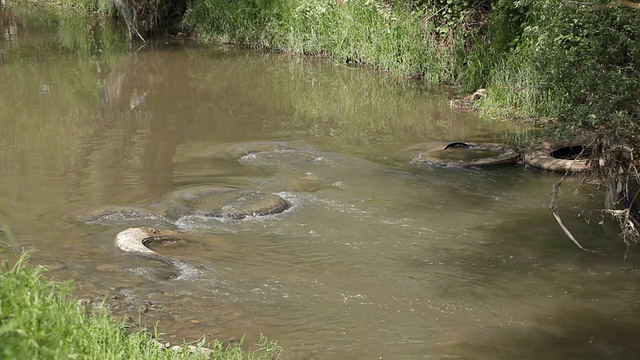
[506, 156]
[228, 202]
[541, 156]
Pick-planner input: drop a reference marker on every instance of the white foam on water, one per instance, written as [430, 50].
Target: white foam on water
[223, 224]
[187, 271]
[294, 199]
[279, 158]
[193, 222]
[119, 218]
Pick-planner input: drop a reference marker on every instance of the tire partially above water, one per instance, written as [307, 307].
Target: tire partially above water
[468, 155]
[558, 157]
[225, 202]
[135, 240]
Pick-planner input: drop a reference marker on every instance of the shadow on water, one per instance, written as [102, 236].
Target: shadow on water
[563, 333]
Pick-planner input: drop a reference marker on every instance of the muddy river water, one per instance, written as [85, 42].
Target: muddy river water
[373, 260]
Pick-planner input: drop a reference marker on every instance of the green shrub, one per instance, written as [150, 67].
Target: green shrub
[590, 61]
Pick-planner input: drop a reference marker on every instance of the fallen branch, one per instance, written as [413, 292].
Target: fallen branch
[553, 207]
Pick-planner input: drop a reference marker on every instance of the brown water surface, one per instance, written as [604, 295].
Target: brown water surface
[372, 260]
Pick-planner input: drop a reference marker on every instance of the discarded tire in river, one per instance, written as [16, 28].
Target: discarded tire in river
[230, 151]
[463, 154]
[558, 157]
[227, 202]
[200, 200]
[134, 241]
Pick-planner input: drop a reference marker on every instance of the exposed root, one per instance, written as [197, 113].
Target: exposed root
[618, 171]
[613, 166]
[628, 227]
[138, 15]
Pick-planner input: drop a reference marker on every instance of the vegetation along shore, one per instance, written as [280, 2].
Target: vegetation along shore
[41, 320]
[575, 64]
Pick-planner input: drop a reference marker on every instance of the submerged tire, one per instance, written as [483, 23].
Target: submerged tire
[227, 202]
[470, 155]
[549, 156]
[201, 200]
[229, 151]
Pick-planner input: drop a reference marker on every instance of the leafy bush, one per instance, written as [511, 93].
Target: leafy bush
[589, 60]
[586, 59]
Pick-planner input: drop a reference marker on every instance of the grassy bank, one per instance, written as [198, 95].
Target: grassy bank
[572, 61]
[369, 33]
[40, 320]
[540, 58]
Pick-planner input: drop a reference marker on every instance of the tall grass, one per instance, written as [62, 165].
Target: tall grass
[394, 39]
[513, 90]
[40, 320]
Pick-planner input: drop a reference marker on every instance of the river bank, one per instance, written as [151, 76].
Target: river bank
[41, 320]
[330, 273]
[535, 59]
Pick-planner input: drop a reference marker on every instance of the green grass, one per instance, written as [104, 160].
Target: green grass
[394, 39]
[40, 320]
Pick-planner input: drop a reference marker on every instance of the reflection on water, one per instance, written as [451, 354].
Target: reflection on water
[372, 260]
